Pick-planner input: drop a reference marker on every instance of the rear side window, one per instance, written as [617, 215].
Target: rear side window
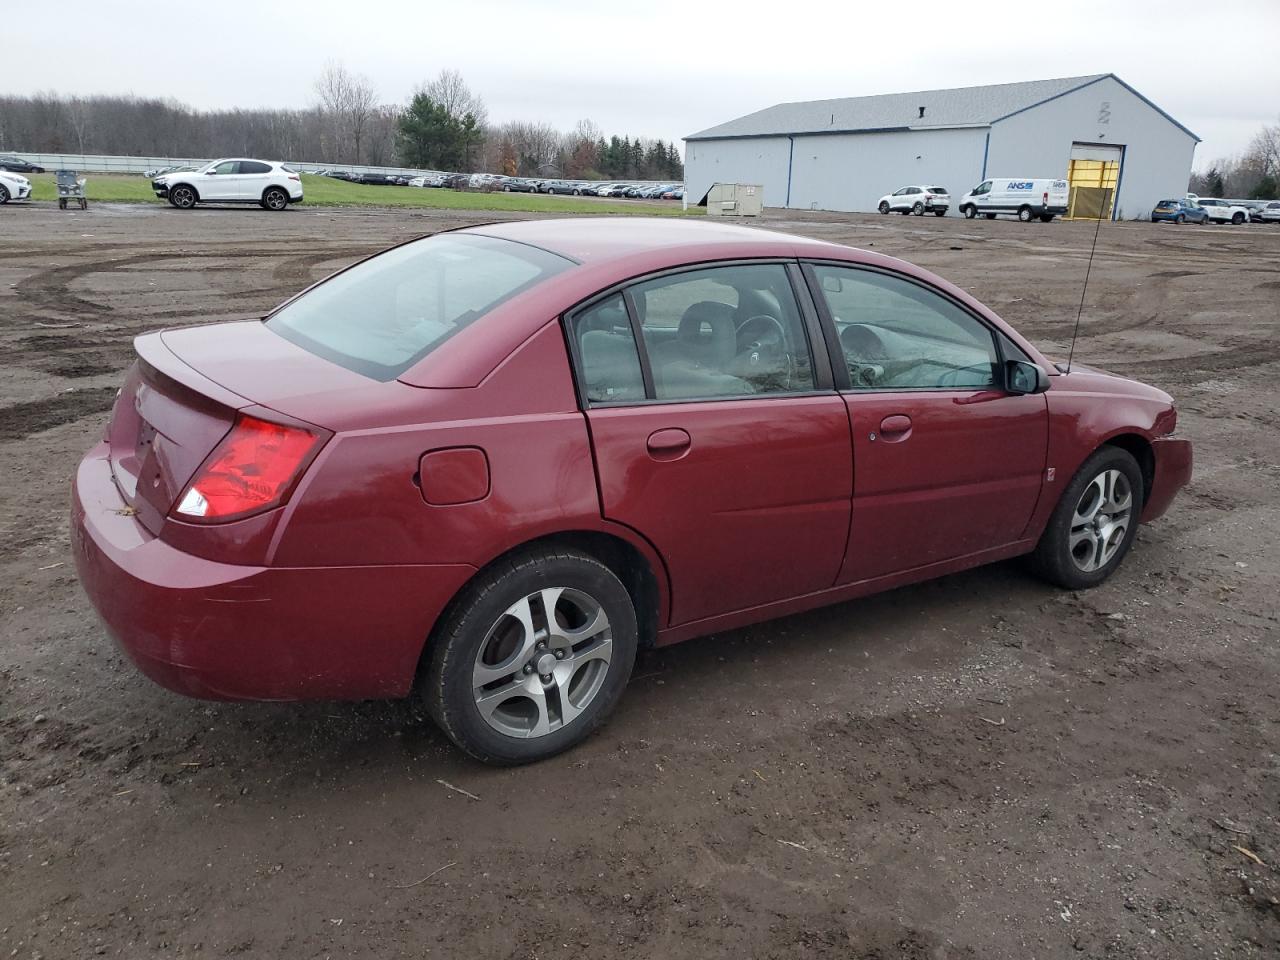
[607, 351]
[254, 166]
[384, 315]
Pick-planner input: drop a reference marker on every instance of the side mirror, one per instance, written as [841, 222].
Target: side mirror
[210, 173]
[1021, 377]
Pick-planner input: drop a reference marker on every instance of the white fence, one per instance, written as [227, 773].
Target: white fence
[93, 163]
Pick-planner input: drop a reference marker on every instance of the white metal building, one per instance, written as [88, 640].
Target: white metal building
[1120, 151]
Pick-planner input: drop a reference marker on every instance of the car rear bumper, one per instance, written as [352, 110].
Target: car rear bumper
[1173, 462]
[229, 632]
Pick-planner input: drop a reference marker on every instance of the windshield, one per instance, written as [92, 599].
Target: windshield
[384, 315]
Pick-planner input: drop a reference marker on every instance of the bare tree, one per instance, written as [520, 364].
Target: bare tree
[450, 91]
[363, 103]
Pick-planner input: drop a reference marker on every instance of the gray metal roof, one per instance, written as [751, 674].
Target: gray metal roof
[959, 107]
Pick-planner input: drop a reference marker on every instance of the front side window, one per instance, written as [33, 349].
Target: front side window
[384, 315]
[225, 167]
[984, 187]
[730, 331]
[899, 335]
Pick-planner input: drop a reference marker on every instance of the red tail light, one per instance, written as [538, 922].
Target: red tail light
[252, 470]
[294, 176]
[1045, 198]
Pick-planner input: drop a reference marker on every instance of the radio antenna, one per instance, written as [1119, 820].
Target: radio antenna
[1084, 289]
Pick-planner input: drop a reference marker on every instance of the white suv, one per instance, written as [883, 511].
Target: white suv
[273, 185]
[1223, 211]
[13, 186]
[917, 200]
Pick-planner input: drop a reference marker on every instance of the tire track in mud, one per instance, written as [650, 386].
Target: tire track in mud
[33, 416]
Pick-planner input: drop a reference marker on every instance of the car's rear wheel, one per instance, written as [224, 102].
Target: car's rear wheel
[918, 209]
[273, 198]
[1237, 218]
[989, 216]
[532, 657]
[884, 206]
[1046, 218]
[182, 197]
[1180, 218]
[939, 213]
[1094, 523]
[1025, 214]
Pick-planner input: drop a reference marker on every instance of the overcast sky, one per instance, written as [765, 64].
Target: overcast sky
[660, 68]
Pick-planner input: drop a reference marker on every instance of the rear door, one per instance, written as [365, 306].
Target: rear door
[252, 178]
[946, 462]
[721, 438]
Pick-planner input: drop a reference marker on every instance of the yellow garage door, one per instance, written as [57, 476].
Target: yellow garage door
[1093, 188]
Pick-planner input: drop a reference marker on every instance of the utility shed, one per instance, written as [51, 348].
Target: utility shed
[1120, 152]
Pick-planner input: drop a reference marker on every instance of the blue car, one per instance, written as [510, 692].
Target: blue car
[1179, 211]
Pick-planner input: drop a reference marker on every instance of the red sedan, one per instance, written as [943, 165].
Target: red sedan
[485, 467]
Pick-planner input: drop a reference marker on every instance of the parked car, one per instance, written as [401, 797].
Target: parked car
[1271, 212]
[1025, 197]
[339, 175]
[917, 200]
[457, 181]
[232, 181]
[555, 186]
[1254, 207]
[676, 194]
[1224, 211]
[519, 185]
[13, 186]
[1179, 211]
[379, 490]
[15, 164]
[428, 180]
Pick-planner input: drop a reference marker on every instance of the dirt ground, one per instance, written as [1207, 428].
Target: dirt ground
[978, 767]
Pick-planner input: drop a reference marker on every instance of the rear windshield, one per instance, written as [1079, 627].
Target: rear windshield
[384, 315]
[1167, 203]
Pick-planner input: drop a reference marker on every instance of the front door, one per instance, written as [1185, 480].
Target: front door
[947, 463]
[219, 182]
[714, 440]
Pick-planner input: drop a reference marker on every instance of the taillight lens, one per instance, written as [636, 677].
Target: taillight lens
[253, 469]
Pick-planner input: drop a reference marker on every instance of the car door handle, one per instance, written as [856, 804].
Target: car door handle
[669, 444]
[894, 428]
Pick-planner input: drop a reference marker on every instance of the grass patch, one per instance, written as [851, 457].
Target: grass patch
[326, 192]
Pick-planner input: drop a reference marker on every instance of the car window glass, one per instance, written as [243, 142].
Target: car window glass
[226, 167]
[724, 331]
[383, 315]
[607, 352]
[898, 335]
[254, 166]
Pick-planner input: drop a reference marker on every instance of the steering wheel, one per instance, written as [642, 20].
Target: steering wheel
[763, 343]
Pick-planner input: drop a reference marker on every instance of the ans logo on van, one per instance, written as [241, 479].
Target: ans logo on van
[1021, 185]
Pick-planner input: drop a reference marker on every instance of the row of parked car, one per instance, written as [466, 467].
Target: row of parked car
[498, 182]
[1194, 209]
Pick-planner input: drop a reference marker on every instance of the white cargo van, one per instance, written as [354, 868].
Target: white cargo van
[1025, 197]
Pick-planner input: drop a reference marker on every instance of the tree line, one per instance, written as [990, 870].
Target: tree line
[1253, 175]
[443, 126]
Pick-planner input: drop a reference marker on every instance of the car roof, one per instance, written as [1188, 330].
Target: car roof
[605, 239]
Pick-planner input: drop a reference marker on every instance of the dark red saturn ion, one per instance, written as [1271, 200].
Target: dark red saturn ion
[485, 467]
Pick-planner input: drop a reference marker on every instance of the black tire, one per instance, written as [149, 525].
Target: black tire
[1237, 219]
[4, 194]
[274, 198]
[969, 212]
[918, 209]
[62, 203]
[1052, 558]
[905, 213]
[446, 686]
[1046, 218]
[183, 196]
[577, 192]
[989, 216]
[1025, 214]
[884, 206]
[939, 213]
[1180, 218]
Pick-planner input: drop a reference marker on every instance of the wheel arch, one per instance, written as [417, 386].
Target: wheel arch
[1139, 447]
[184, 183]
[636, 564]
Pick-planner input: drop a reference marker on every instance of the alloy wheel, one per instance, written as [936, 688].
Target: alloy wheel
[542, 663]
[1101, 521]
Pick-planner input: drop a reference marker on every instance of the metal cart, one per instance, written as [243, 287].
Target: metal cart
[71, 189]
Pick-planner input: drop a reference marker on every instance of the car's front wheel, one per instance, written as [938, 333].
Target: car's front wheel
[273, 198]
[532, 657]
[1025, 214]
[918, 209]
[884, 206]
[182, 197]
[1094, 523]
[969, 212]
[1181, 218]
[4, 194]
